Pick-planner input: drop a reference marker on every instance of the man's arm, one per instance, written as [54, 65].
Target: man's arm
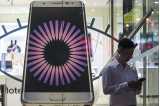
[109, 87]
[138, 82]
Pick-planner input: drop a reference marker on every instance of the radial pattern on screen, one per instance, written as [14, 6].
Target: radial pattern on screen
[57, 53]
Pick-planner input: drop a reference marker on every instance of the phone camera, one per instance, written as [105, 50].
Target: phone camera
[43, 3]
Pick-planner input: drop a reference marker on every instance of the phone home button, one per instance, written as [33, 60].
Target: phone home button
[56, 98]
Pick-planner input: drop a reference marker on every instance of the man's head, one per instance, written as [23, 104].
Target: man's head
[125, 49]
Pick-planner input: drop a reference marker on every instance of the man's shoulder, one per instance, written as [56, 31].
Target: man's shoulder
[113, 63]
[109, 67]
[132, 67]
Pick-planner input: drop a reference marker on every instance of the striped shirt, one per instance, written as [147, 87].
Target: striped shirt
[114, 81]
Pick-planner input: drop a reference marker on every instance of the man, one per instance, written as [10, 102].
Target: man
[119, 79]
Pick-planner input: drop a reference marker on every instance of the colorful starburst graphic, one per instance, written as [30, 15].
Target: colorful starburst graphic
[57, 53]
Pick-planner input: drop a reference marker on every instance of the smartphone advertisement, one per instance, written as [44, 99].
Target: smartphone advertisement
[57, 58]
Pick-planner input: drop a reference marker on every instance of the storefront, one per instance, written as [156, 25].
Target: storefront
[122, 16]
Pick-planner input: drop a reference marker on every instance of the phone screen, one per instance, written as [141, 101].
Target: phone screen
[57, 57]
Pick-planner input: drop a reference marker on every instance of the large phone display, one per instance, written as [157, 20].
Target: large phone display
[57, 56]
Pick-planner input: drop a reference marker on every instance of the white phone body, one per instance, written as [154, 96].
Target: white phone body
[49, 97]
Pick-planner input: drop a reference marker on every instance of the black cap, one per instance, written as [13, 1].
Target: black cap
[126, 43]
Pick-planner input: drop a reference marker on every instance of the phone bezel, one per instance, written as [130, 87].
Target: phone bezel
[61, 97]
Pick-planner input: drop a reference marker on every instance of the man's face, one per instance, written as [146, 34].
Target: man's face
[126, 54]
